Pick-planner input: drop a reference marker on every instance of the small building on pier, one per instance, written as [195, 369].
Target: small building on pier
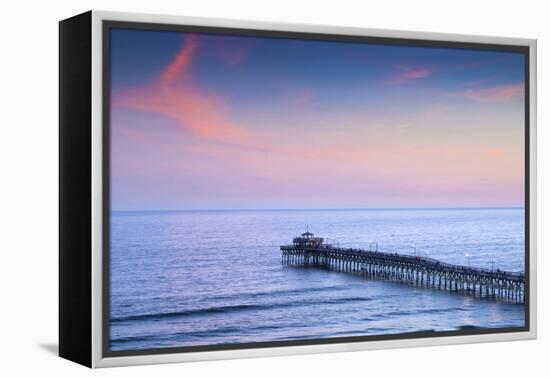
[308, 239]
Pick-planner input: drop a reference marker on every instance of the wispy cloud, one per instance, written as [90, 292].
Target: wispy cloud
[497, 93]
[406, 72]
[180, 64]
[174, 94]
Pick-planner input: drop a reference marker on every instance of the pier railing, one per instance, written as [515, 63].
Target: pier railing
[422, 271]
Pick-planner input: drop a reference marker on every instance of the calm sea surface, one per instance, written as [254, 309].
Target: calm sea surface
[215, 277]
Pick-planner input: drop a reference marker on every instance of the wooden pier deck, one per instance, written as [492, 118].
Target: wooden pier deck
[309, 251]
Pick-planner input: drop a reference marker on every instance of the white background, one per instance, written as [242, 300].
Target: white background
[28, 210]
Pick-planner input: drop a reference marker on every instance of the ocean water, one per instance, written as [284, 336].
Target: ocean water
[192, 278]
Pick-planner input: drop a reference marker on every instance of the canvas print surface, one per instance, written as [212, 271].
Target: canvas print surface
[270, 189]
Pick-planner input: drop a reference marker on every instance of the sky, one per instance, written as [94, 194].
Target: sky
[203, 121]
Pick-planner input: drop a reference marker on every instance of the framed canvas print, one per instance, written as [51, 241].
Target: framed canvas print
[232, 189]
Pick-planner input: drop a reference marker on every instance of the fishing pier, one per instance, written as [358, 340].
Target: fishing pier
[310, 251]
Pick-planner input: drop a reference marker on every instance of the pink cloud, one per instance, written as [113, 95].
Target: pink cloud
[175, 95]
[494, 94]
[180, 64]
[406, 73]
[203, 114]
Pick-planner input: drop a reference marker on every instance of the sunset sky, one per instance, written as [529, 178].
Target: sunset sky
[226, 122]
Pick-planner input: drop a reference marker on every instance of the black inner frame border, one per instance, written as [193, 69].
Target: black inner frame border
[108, 25]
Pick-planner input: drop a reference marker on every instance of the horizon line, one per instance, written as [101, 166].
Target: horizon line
[320, 209]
